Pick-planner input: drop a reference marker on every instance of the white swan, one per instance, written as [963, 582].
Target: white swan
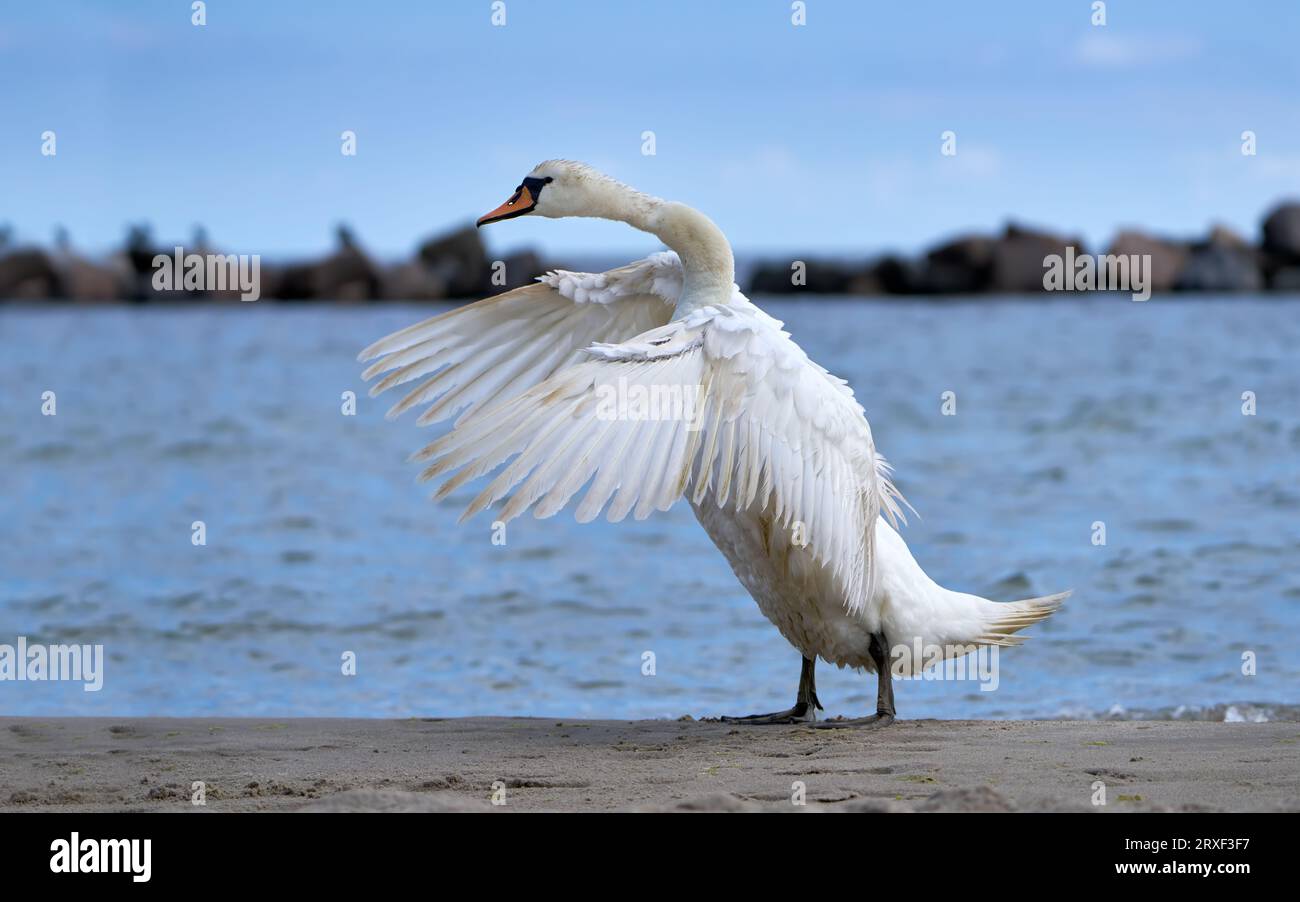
[774, 453]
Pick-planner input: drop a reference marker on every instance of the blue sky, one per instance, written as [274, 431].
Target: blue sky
[795, 139]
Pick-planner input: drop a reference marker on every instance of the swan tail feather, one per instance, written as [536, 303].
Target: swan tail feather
[1011, 617]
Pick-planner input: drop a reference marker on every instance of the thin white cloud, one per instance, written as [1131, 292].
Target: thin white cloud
[890, 178]
[1099, 48]
[127, 35]
[765, 163]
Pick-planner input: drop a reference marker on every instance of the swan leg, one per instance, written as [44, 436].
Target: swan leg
[805, 706]
[884, 715]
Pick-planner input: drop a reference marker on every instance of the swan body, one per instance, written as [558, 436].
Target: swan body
[777, 458]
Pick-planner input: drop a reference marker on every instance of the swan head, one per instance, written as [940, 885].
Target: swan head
[559, 188]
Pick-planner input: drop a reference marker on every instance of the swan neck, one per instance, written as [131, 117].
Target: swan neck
[708, 267]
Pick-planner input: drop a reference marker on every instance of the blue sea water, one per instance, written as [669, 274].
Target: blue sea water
[1069, 411]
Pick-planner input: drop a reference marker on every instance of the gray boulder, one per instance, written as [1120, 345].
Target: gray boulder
[1168, 257]
[1286, 278]
[771, 278]
[29, 274]
[413, 281]
[961, 266]
[346, 275]
[1219, 269]
[1222, 262]
[88, 281]
[898, 275]
[1282, 233]
[1017, 264]
[820, 277]
[521, 268]
[459, 260]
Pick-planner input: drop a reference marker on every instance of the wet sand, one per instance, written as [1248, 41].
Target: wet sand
[128, 764]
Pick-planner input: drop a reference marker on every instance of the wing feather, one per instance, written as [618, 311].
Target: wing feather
[794, 442]
[484, 353]
[530, 372]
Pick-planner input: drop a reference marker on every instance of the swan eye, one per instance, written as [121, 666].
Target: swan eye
[535, 186]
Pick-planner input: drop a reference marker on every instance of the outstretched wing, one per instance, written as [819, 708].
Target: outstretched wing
[496, 348]
[744, 418]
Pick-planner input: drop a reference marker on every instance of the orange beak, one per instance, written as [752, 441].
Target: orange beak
[518, 205]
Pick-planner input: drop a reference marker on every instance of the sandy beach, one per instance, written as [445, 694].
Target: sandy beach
[126, 764]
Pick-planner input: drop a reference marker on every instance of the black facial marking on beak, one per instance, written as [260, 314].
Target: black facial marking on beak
[522, 201]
